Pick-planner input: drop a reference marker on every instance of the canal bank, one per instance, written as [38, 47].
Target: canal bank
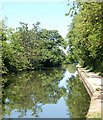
[94, 85]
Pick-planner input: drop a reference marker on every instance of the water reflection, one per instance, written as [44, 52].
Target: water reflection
[31, 90]
[28, 94]
[71, 68]
[77, 98]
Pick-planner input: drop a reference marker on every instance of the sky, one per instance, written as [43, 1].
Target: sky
[35, 0]
[51, 14]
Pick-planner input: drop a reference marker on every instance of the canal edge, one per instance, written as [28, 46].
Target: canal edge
[94, 86]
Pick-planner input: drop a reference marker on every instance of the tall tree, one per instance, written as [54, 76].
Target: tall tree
[85, 36]
[26, 48]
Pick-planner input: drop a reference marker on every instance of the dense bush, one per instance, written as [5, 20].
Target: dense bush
[26, 48]
[85, 37]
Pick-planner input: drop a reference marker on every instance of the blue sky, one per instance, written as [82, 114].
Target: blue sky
[50, 14]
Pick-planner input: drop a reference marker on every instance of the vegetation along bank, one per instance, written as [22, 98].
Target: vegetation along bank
[24, 48]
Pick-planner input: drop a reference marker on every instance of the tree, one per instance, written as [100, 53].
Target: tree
[51, 53]
[85, 36]
[25, 49]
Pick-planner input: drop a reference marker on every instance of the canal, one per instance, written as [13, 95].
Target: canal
[56, 92]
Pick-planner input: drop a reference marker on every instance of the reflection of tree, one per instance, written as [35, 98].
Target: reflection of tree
[71, 68]
[30, 90]
[77, 98]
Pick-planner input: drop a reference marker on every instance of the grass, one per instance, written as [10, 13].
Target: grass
[84, 73]
[97, 89]
[98, 71]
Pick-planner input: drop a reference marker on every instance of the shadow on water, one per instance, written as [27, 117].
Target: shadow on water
[30, 92]
[77, 98]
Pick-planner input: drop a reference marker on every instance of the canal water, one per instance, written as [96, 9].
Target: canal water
[54, 92]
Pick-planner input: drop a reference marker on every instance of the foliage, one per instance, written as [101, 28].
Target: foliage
[26, 48]
[85, 37]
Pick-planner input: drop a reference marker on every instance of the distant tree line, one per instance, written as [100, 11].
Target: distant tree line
[25, 49]
[85, 37]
